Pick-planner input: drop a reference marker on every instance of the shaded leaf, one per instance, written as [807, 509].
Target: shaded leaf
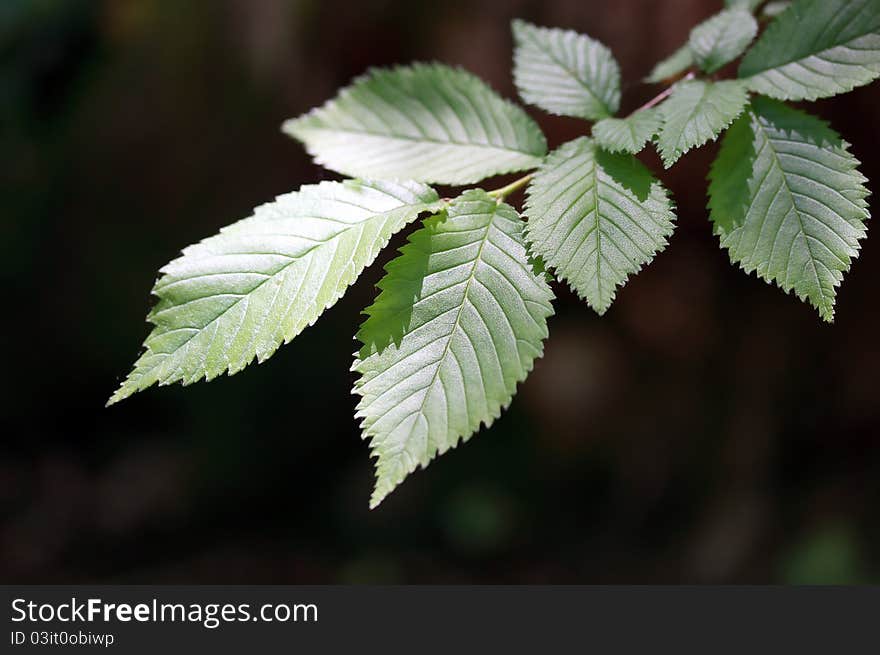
[674, 65]
[787, 201]
[816, 49]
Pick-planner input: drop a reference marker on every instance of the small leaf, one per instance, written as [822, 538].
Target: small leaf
[458, 324]
[564, 72]
[429, 123]
[697, 112]
[675, 64]
[722, 38]
[816, 49]
[787, 201]
[628, 134]
[596, 218]
[773, 9]
[258, 283]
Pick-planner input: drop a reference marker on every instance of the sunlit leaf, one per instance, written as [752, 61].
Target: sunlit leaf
[628, 134]
[461, 317]
[697, 112]
[240, 294]
[596, 218]
[423, 122]
[565, 72]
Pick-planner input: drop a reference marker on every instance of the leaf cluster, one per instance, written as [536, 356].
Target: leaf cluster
[462, 311]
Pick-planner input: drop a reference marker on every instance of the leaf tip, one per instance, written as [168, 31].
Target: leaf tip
[383, 487]
[826, 312]
[289, 127]
[518, 25]
[119, 395]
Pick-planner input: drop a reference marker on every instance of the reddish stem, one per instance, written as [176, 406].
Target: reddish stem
[660, 97]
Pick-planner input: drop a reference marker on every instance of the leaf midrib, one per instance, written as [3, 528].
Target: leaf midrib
[801, 232]
[425, 139]
[690, 117]
[598, 230]
[439, 363]
[360, 226]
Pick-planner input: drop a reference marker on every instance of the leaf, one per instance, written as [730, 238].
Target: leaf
[675, 64]
[596, 218]
[816, 49]
[458, 324]
[722, 38]
[697, 112]
[258, 283]
[564, 72]
[787, 201]
[424, 122]
[628, 134]
[773, 9]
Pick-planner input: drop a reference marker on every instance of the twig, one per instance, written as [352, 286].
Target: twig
[660, 97]
[501, 193]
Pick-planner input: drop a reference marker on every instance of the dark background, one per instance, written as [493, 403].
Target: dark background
[709, 428]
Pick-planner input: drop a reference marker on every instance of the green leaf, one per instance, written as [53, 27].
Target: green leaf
[816, 49]
[773, 9]
[424, 122]
[675, 64]
[461, 317]
[722, 38]
[787, 201]
[596, 218]
[564, 72]
[628, 134]
[258, 283]
[697, 112]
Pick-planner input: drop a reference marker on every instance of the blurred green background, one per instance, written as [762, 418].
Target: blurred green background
[709, 428]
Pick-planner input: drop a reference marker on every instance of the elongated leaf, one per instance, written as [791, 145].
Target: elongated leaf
[675, 64]
[628, 134]
[774, 8]
[722, 38]
[564, 72]
[461, 318]
[596, 218]
[429, 123]
[816, 49]
[697, 112]
[259, 282]
[787, 201]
